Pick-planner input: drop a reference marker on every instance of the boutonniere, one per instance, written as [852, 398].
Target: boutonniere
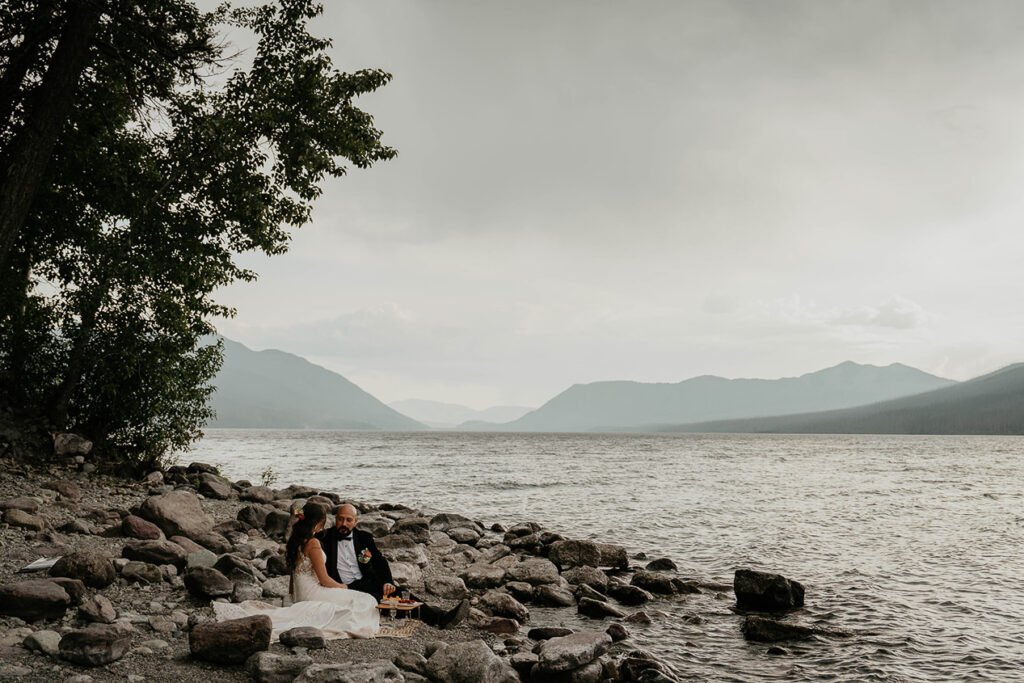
[365, 556]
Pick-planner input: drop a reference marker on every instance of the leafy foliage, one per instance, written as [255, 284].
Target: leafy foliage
[169, 162]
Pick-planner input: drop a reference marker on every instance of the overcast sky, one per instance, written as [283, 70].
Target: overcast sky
[596, 190]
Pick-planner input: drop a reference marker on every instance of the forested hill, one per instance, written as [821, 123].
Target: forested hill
[632, 405]
[278, 389]
[991, 404]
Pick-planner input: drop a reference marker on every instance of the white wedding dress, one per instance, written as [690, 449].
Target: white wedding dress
[338, 612]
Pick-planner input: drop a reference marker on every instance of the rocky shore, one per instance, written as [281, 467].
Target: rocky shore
[138, 564]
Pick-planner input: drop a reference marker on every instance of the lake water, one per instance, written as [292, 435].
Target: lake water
[915, 543]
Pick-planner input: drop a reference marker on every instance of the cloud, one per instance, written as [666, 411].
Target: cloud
[897, 313]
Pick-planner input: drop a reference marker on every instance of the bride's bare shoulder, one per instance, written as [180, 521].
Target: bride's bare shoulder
[312, 546]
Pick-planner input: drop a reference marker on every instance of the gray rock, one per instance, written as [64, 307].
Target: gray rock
[254, 516]
[177, 513]
[257, 494]
[448, 520]
[232, 641]
[654, 583]
[629, 595]
[570, 652]
[765, 630]
[638, 665]
[265, 667]
[482, 576]
[304, 636]
[187, 544]
[377, 671]
[617, 632]
[547, 632]
[243, 591]
[448, 587]
[23, 503]
[162, 624]
[214, 486]
[235, 568]
[417, 528]
[502, 626]
[553, 596]
[277, 587]
[156, 552]
[768, 592]
[409, 661]
[572, 553]
[24, 520]
[661, 564]
[31, 600]
[214, 542]
[590, 576]
[95, 570]
[523, 662]
[407, 575]
[142, 572]
[201, 558]
[613, 556]
[639, 618]
[67, 489]
[277, 523]
[98, 609]
[520, 590]
[207, 583]
[500, 604]
[494, 553]
[66, 443]
[464, 535]
[535, 572]
[44, 641]
[469, 662]
[530, 543]
[96, 644]
[597, 609]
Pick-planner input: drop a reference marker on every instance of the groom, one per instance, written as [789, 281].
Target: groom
[354, 560]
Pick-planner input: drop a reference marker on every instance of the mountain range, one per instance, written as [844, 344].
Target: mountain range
[274, 389]
[990, 404]
[633, 405]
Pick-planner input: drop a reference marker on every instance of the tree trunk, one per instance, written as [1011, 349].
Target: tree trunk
[58, 412]
[38, 30]
[30, 151]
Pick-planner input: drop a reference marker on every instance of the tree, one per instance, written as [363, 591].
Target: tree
[163, 165]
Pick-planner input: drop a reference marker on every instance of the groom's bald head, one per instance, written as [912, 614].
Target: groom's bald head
[345, 518]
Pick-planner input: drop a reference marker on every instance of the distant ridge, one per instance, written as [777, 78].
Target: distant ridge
[632, 405]
[437, 415]
[990, 404]
[274, 389]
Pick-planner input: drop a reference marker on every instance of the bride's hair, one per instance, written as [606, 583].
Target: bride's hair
[311, 515]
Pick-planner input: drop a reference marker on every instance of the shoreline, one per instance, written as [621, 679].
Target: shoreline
[505, 572]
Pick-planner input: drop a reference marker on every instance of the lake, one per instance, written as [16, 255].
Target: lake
[914, 543]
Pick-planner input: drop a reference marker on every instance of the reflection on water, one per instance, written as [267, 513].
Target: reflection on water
[913, 542]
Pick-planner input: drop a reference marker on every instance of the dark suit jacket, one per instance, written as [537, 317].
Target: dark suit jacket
[376, 571]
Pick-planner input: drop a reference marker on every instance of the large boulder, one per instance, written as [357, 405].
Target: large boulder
[598, 609]
[571, 553]
[177, 513]
[448, 520]
[482, 575]
[629, 595]
[232, 641]
[214, 486]
[553, 596]
[236, 568]
[764, 630]
[257, 494]
[376, 671]
[590, 576]
[570, 652]
[449, 587]
[254, 516]
[67, 489]
[613, 556]
[96, 644]
[653, 583]
[417, 528]
[24, 520]
[500, 604]
[98, 609]
[157, 552]
[23, 503]
[36, 599]
[277, 523]
[136, 527]
[67, 443]
[207, 583]
[766, 592]
[95, 570]
[214, 542]
[267, 667]
[535, 572]
[308, 637]
[469, 662]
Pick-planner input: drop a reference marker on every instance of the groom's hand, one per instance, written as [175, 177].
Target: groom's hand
[388, 589]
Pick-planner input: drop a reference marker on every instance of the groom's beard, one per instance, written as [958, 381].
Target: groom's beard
[343, 530]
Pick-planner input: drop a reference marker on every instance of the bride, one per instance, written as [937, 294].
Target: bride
[318, 600]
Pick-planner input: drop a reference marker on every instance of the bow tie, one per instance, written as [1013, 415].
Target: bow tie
[347, 537]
